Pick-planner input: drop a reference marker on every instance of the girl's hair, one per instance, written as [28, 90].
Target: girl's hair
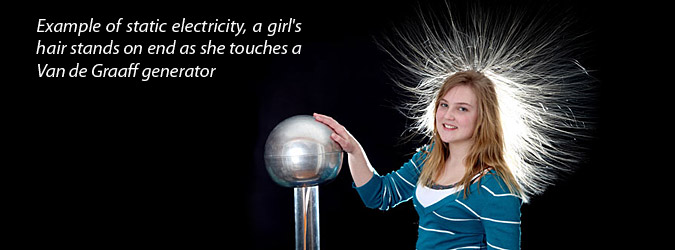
[487, 151]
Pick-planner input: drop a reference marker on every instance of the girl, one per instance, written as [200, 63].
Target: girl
[463, 191]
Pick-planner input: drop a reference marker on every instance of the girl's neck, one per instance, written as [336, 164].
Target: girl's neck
[457, 153]
[455, 166]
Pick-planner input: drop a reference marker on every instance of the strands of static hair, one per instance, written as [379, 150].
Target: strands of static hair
[545, 95]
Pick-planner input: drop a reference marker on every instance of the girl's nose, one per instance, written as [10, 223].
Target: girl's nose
[448, 115]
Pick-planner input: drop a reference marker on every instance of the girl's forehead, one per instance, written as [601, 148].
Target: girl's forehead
[460, 94]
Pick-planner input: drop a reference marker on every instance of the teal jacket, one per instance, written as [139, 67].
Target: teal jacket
[488, 218]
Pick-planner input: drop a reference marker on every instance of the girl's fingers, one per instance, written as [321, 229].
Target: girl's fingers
[330, 122]
[341, 136]
[344, 143]
[337, 139]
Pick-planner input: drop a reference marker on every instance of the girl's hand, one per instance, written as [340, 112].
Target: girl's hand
[359, 165]
[340, 134]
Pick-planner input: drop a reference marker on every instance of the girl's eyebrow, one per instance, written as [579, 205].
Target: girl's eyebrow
[464, 103]
[460, 103]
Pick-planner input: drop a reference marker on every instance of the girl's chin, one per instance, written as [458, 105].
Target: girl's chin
[450, 139]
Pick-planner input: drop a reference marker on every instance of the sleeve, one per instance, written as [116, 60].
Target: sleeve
[384, 192]
[500, 215]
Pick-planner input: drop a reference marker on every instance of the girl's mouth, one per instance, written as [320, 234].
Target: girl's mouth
[448, 126]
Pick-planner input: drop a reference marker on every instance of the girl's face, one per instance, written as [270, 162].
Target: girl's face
[457, 114]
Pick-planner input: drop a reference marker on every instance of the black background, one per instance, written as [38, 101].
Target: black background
[177, 162]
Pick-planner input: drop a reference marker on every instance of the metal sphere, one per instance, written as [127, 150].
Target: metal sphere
[299, 153]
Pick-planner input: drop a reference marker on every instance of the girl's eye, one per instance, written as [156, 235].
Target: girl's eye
[444, 105]
[463, 109]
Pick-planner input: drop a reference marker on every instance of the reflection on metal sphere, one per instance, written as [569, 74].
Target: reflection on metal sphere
[299, 153]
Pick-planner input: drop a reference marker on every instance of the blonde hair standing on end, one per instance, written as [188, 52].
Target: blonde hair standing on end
[487, 151]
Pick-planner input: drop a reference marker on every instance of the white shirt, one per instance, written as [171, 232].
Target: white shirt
[428, 196]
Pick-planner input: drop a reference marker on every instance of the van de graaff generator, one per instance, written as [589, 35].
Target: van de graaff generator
[299, 153]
